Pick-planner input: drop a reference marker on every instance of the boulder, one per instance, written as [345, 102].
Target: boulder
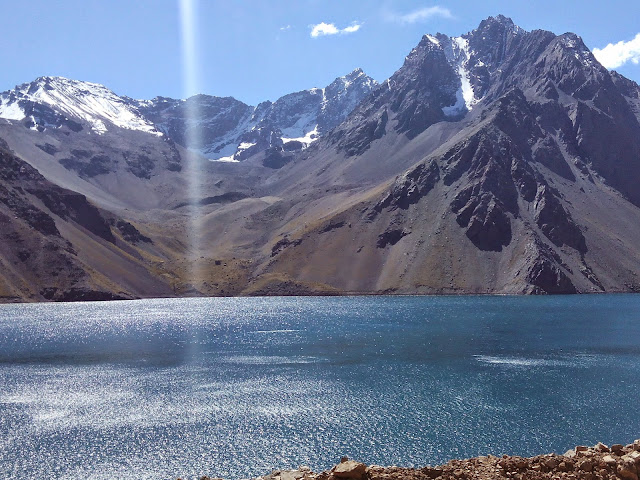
[432, 472]
[521, 463]
[551, 463]
[291, 475]
[631, 457]
[350, 469]
[566, 465]
[586, 465]
[627, 471]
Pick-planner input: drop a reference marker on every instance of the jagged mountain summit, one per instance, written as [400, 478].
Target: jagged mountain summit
[227, 129]
[498, 161]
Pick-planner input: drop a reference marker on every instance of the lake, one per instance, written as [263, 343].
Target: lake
[237, 387]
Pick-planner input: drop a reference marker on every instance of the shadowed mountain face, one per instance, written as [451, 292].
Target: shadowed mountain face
[49, 235]
[500, 161]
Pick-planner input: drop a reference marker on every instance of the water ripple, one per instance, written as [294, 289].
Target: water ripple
[237, 387]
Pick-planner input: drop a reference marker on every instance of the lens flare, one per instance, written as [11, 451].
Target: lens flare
[193, 137]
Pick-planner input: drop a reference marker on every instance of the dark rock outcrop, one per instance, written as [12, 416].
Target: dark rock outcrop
[391, 237]
[411, 187]
[282, 244]
[130, 233]
[555, 222]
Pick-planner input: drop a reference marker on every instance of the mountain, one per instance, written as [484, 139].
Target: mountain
[227, 129]
[218, 128]
[499, 161]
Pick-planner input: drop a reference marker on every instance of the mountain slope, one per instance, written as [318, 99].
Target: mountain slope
[58, 246]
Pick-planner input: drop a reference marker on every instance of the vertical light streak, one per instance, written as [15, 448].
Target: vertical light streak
[191, 86]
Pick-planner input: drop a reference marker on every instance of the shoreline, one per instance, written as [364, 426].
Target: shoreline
[599, 462]
[323, 295]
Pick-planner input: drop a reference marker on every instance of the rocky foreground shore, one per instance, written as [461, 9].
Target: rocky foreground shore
[582, 463]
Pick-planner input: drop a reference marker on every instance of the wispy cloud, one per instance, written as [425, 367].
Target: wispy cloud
[419, 15]
[615, 55]
[285, 28]
[352, 28]
[322, 29]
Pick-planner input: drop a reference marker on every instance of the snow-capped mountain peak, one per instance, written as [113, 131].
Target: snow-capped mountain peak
[473, 58]
[224, 128]
[47, 101]
[358, 76]
[229, 130]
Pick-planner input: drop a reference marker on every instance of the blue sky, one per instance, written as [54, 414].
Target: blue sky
[257, 50]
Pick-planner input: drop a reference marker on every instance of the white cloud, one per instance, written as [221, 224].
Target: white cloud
[419, 15]
[615, 55]
[287, 27]
[322, 29]
[353, 28]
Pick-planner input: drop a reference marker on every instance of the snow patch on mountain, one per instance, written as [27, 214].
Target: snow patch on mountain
[306, 139]
[229, 144]
[580, 51]
[302, 126]
[433, 39]
[10, 110]
[457, 53]
[229, 159]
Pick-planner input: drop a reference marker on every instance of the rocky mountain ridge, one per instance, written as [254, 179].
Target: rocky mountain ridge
[229, 130]
[219, 128]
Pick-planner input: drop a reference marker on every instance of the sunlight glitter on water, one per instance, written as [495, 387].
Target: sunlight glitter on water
[168, 388]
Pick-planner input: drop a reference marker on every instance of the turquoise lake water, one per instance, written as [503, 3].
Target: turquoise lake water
[236, 387]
